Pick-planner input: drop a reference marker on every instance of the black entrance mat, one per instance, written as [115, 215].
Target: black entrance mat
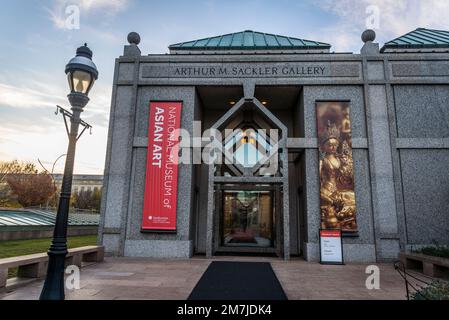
[238, 281]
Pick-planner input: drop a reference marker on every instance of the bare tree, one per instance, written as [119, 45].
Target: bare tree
[7, 199]
[29, 186]
[13, 167]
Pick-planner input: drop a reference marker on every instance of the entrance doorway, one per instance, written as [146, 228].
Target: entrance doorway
[247, 184]
[248, 219]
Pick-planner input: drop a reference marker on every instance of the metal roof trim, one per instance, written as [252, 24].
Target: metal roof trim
[243, 37]
[420, 38]
[250, 48]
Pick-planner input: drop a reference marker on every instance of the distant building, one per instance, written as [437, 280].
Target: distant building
[82, 182]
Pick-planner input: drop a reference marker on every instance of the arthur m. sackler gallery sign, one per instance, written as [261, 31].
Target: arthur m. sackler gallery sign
[250, 70]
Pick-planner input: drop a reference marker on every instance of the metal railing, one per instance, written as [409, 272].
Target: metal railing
[416, 282]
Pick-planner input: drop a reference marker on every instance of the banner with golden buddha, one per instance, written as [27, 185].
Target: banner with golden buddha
[337, 197]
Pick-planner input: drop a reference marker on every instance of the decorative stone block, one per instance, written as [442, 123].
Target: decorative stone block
[412, 264]
[35, 270]
[427, 268]
[75, 260]
[97, 256]
[3, 277]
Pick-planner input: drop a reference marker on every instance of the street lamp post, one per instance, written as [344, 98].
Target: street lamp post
[81, 73]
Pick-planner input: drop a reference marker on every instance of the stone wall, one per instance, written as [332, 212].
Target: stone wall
[399, 112]
[422, 115]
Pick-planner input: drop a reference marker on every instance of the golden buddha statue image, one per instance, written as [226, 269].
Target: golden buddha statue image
[337, 195]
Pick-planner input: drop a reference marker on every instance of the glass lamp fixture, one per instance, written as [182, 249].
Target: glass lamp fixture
[80, 81]
[81, 71]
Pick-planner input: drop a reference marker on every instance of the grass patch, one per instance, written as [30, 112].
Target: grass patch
[435, 251]
[16, 248]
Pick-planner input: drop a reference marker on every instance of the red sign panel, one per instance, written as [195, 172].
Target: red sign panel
[331, 247]
[330, 233]
[161, 187]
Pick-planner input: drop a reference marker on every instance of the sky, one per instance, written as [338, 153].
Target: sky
[38, 38]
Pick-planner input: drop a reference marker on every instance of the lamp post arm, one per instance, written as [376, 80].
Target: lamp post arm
[66, 114]
[54, 163]
[54, 282]
[78, 68]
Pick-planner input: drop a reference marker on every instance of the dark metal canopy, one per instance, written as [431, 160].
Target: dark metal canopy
[420, 38]
[250, 40]
[83, 61]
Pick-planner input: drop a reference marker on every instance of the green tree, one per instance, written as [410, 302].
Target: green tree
[87, 200]
[96, 199]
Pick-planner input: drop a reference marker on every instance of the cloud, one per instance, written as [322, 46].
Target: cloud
[114, 5]
[29, 129]
[26, 98]
[86, 6]
[41, 91]
[395, 19]
[27, 142]
[40, 96]
[57, 13]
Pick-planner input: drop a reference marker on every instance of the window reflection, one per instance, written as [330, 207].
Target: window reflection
[248, 146]
[248, 218]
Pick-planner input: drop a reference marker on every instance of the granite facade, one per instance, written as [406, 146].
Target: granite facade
[399, 116]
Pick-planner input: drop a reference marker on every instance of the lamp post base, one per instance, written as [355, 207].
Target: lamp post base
[54, 282]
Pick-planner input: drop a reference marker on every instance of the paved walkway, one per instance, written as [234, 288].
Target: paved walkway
[137, 279]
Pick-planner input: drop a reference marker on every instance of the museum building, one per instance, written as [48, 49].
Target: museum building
[251, 143]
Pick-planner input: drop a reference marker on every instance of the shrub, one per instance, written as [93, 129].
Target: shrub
[437, 290]
[435, 250]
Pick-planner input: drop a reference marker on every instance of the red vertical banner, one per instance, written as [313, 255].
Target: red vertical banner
[161, 186]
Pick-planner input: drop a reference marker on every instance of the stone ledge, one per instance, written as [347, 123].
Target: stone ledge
[159, 248]
[422, 143]
[35, 266]
[430, 265]
[292, 143]
[112, 231]
[423, 257]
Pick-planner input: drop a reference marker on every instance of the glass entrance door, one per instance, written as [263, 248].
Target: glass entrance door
[248, 219]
